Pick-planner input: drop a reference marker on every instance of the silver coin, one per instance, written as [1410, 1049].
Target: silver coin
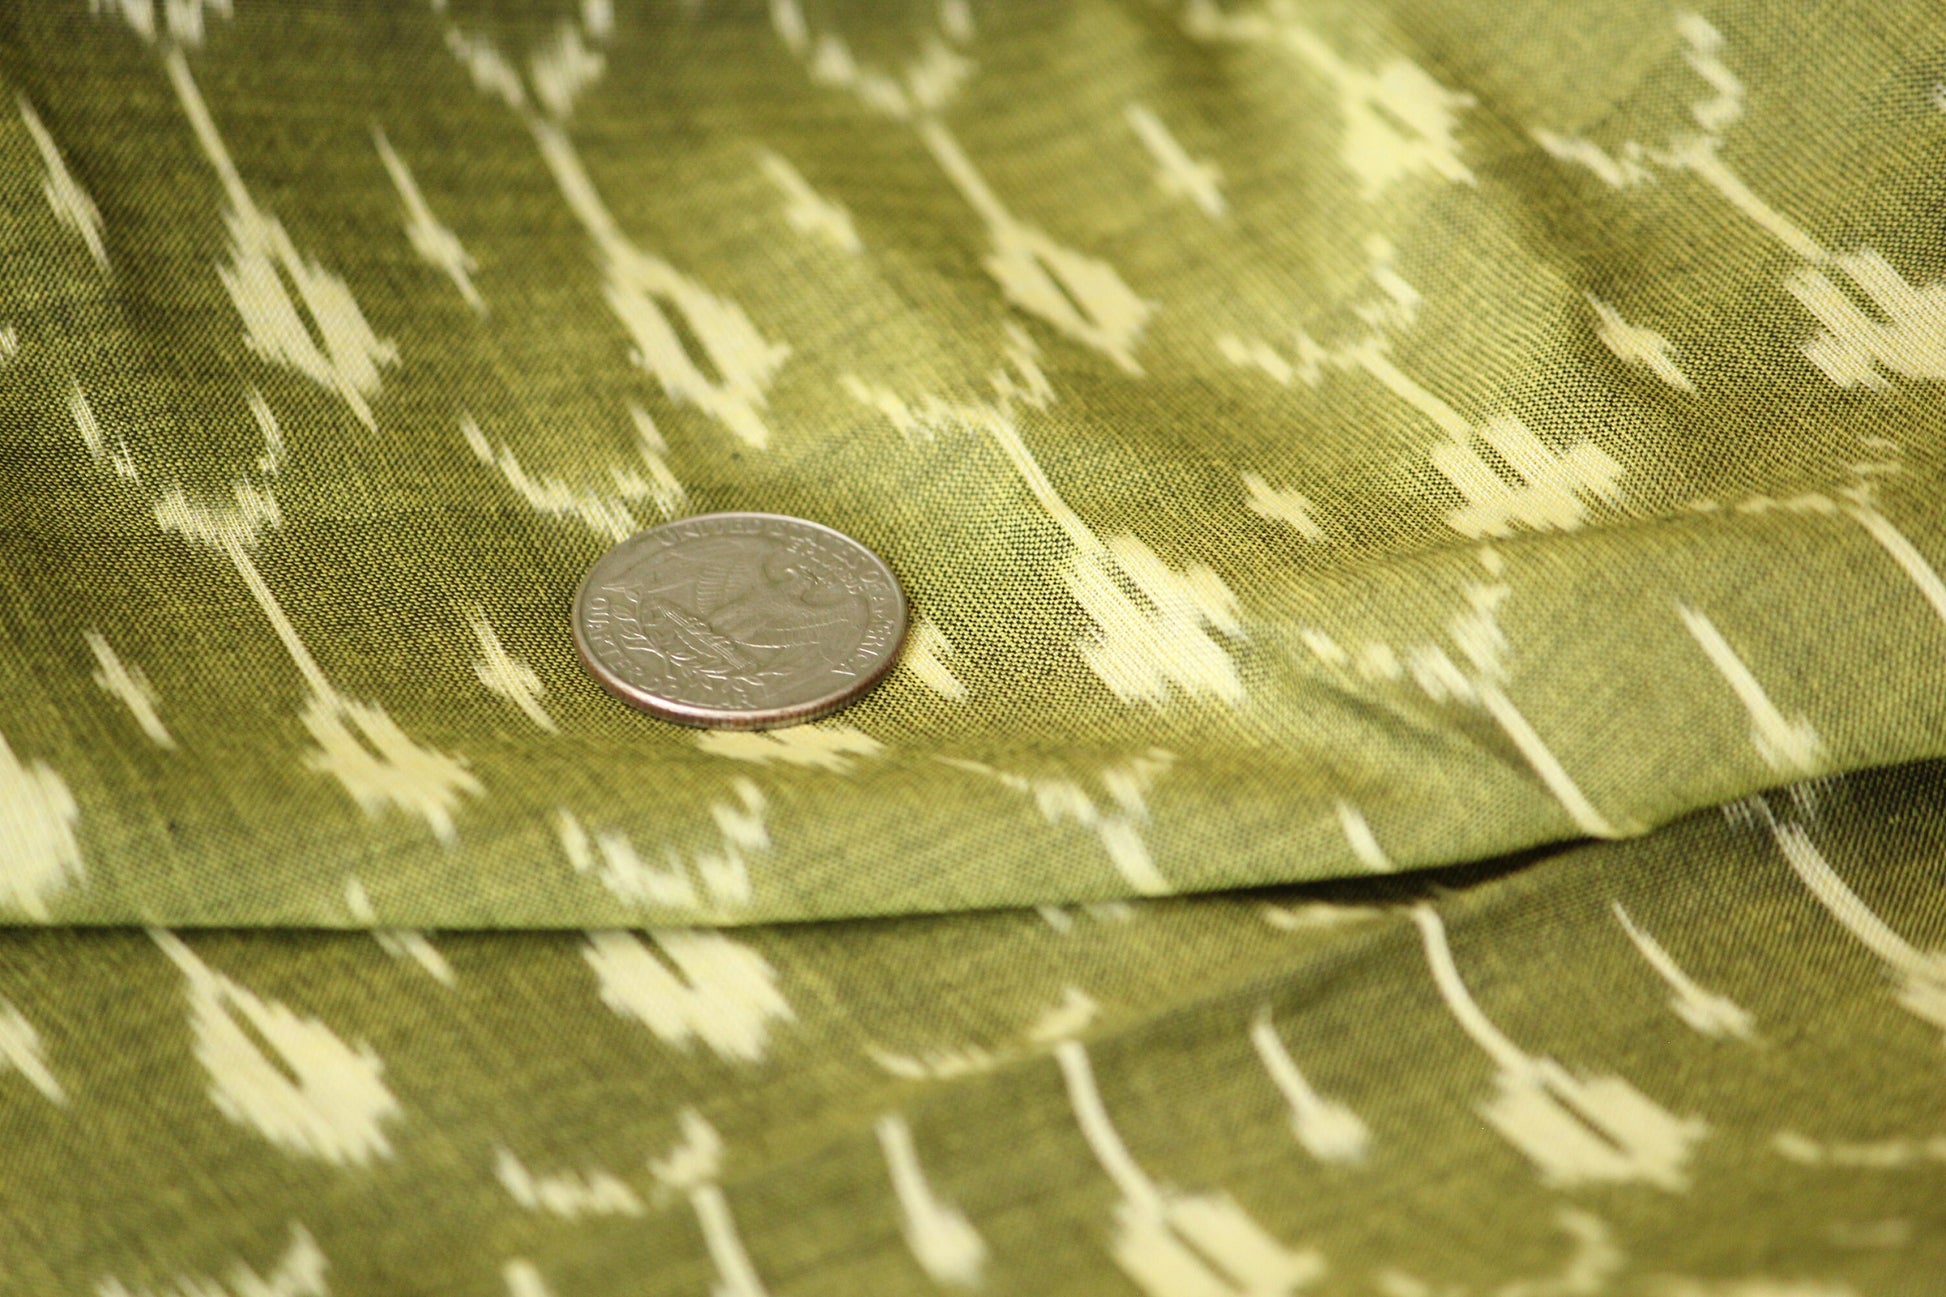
[739, 620]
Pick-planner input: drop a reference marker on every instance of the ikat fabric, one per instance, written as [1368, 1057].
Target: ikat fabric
[1702, 1063]
[1412, 772]
[1310, 436]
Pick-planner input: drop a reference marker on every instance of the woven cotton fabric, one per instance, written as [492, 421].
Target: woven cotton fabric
[1482, 428]
[1414, 770]
[1705, 1063]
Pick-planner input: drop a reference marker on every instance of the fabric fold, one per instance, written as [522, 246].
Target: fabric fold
[1701, 1061]
[1357, 450]
[1318, 509]
[1417, 765]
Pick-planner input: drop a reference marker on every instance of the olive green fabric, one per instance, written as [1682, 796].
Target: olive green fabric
[1482, 426]
[1691, 1065]
[1414, 771]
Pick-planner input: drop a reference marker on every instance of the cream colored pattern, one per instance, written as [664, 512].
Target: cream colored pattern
[1156, 629]
[568, 1194]
[1080, 296]
[1787, 744]
[721, 873]
[320, 332]
[1177, 174]
[70, 202]
[693, 1169]
[40, 856]
[808, 212]
[1118, 824]
[116, 457]
[1328, 1130]
[1919, 975]
[436, 245]
[1551, 489]
[1709, 1013]
[1398, 121]
[358, 744]
[288, 1077]
[1638, 345]
[504, 674]
[940, 1237]
[298, 1273]
[823, 745]
[1903, 335]
[130, 686]
[400, 943]
[1282, 506]
[691, 986]
[21, 1051]
[1576, 1129]
[1176, 1244]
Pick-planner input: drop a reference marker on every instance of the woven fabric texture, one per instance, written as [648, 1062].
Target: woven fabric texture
[1308, 436]
[1416, 771]
[1704, 1063]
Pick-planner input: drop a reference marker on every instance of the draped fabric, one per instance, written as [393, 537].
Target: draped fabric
[1413, 770]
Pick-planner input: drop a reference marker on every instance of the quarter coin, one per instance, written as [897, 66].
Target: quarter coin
[739, 620]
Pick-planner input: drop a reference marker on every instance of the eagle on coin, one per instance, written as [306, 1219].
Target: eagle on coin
[734, 613]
